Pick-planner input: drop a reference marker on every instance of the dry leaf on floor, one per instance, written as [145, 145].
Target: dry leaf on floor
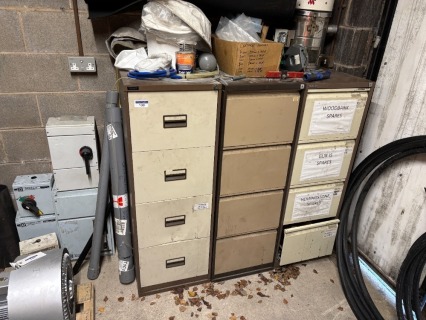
[196, 316]
[172, 318]
[315, 271]
[192, 314]
[194, 289]
[158, 296]
[250, 296]
[285, 301]
[233, 318]
[192, 294]
[101, 309]
[260, 301]
[120, 299]
[243, 318]
[182, 309]
[260, 294]
[199, 309]
[215, 314]
[292, 296]
[331, 280]
[152, 303]
[143, 299]
[340, 308]
[304, 264]
[105, 299]
[133, 297]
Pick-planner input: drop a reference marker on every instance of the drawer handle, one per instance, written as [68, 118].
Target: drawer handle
[175, 121]
[174, 221]
[173, 175]
[177, 262]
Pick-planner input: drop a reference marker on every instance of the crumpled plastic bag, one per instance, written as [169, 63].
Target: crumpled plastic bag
[241, 29]
[128, 59]
[124, 38]
[177, 21]
[154, 62]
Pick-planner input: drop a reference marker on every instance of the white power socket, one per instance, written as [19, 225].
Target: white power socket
[82, 64]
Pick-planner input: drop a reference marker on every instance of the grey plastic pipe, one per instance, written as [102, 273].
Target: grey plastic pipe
[101, 203]
[123, 237]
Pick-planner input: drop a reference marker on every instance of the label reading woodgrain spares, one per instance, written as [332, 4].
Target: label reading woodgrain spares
[332, 117]
[322, 164]
[312, 204]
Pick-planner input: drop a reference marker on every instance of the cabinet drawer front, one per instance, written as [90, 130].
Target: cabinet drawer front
[259, 119]
[254, 169]
[308, 242]
[173, 174]
[249, 213]
[173, 261]
[167, 120]
[244, 251]
[332, 116]
[173, 220]
[322, 162]
[313, 203]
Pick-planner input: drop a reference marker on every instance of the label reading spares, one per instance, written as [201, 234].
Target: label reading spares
[332, 117]
[323, 163]
[311, 204]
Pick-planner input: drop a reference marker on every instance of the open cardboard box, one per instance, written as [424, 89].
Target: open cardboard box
[252, 59]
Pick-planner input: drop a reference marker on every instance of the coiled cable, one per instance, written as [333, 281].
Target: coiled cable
[347, 255]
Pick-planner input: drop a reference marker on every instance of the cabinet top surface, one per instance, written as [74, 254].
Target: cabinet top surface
[338, 80]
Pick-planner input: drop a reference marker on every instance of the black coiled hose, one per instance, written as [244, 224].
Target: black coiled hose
[347, 254]
[408, 282]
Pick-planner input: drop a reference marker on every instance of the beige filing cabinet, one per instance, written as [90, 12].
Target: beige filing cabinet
[257, 131]
[170, 131]
[332, 115]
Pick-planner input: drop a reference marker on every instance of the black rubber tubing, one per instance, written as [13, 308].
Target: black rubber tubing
[353, 284]
[408, 282]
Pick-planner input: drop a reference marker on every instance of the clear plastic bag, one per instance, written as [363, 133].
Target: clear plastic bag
[241, 29]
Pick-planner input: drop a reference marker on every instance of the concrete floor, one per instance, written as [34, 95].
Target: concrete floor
[314, 294]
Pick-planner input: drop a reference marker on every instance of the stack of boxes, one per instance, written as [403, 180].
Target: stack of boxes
[329, 128]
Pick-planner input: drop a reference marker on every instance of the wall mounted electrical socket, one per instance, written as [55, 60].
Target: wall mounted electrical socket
[82, 64]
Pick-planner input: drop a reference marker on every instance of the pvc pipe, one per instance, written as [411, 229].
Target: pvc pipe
[101, 203]
[123, 237]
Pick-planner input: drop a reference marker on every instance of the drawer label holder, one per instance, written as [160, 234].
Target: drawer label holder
[332, 117]
[312, 204]
[323, 163]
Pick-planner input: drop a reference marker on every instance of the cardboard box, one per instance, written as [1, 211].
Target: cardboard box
[249, 58]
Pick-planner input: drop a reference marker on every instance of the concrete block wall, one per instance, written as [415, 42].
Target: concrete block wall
[36, 38]
[357, 31]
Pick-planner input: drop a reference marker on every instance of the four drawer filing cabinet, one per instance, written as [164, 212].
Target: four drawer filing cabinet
[170, 133]
[234, 177]
[258, 124]
[332, 114]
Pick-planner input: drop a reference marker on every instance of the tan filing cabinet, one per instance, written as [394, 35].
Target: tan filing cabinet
[257, 131]
[332, 114]
[171, 130]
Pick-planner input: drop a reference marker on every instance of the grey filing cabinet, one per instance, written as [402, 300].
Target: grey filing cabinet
[258, 121]
[170, 132]
[333, 113]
